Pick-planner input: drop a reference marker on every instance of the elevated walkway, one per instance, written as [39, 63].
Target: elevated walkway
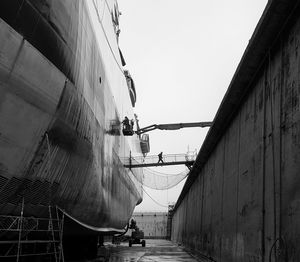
[168, 160]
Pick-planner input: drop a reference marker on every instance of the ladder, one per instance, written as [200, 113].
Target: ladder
[24, 237]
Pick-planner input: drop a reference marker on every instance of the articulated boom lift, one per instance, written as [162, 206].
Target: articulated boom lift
[128, 127]
[172, 126]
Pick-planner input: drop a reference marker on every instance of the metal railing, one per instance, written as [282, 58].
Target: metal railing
[153, 160]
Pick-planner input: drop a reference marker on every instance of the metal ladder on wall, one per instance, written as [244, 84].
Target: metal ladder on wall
[25, 237]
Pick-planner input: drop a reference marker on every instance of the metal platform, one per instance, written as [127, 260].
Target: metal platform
[168, 160]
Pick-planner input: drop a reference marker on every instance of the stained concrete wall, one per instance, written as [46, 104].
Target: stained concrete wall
[154, 224]
[244, 202]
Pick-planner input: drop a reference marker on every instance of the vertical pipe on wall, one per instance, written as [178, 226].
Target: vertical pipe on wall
[263, 174]
[202, 203]
[222, 194]
[237, 185]
[273, 152]
[280, 137]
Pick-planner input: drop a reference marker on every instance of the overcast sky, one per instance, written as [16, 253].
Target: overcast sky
[182, 56]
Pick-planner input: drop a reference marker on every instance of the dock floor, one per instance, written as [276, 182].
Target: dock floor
[156, 250]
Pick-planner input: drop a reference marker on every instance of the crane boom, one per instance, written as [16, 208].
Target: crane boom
[175, 126]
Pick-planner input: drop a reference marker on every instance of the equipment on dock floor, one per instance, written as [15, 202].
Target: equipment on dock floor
[137, 235]
[118, 238]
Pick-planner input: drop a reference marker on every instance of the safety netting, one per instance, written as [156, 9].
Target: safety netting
[161, 181]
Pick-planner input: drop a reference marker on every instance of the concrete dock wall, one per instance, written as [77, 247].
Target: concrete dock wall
[242, 199]
[154, 224]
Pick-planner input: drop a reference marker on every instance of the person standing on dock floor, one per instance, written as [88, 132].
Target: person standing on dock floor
[160, 157]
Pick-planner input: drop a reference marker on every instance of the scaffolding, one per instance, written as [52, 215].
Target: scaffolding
[27, 237]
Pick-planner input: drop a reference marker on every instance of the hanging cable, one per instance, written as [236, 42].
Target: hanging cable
[149, 170]
[153, 199]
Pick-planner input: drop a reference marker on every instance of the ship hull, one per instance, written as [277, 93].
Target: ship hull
[57, 109]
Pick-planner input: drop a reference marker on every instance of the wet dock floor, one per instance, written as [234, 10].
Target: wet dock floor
[155, 251]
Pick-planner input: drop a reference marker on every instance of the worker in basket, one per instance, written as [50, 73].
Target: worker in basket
[128, 126]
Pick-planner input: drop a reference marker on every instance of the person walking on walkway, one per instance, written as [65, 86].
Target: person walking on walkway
[160, 157]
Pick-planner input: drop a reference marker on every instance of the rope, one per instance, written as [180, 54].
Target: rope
[100, 22]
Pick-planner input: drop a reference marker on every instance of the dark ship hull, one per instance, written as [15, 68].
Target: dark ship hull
[62, 97]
